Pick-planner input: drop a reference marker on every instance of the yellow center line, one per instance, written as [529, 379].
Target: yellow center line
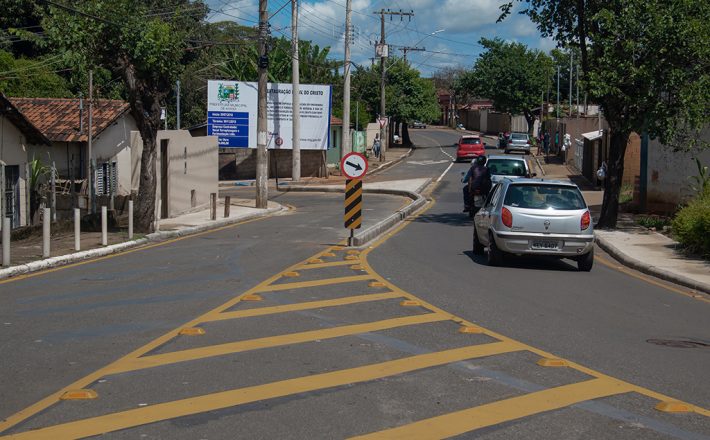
[313, 283]
[271, 341]
[459, 422]
[323, 265]
[261, 311]
[225, 399]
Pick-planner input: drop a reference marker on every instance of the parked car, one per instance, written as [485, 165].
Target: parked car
[469, 147]
[510, 167]
[417, 124]
[535, 217]
[518, 142]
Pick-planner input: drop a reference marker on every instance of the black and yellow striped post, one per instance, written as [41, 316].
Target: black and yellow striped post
[353, 206]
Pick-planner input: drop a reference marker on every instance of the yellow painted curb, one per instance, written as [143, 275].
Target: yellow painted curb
[252, 297]
[315, 261]
[83, 394]
[470, 329]
[552, 362]
[192, 331]
[674, 407]
[376, 284]
[410, 303]
[291, 274]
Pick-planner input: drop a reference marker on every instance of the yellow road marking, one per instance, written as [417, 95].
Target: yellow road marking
[127, 251]
[459, 422]
[225, 399]
[648, 279]
[324, 265]
[304, 306]
[313, 283]
[271, 341]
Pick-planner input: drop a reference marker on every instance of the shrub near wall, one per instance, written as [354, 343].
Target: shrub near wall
[691, 226]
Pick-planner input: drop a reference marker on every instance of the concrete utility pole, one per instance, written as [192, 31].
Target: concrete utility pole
[89, 168]
[558, 92]
[262, 154]
[177, 110]
[295, 85]
[571, 74]
[577, 109]
[383, 54]
[411, 49]
[345, 144]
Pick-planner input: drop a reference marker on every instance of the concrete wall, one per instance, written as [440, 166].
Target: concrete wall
[13, 151]
[61, 153]
[669, 174]
[240, 163]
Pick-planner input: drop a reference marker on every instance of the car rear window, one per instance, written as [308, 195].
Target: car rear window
[471, 141]
[506, 167]
[519, 136]
[541, 196]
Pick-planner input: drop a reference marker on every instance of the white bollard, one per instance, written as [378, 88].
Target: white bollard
[77, 229]
[104, 226]
[6, 241]
[46, 222]
[130, 219]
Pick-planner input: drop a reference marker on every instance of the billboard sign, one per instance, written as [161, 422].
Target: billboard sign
[232, 112]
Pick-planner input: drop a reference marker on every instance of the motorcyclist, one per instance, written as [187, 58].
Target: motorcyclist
[479, 182]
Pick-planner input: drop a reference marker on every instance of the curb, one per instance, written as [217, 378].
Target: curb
[61, 260]
[539, 166]
[384, 225]
[391, 163]
[648, 269]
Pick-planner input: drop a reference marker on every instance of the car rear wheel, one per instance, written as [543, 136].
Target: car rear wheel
[586, 261]
[494, 255]
[477, 245]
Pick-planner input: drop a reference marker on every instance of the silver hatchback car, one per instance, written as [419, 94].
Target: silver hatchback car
[535, 217]
[518, 141]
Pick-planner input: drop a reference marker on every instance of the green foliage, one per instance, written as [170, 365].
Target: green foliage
[38, 173]
[691, 225]
[701, 181]
[653, 221]
[30, 78]
[510, 74]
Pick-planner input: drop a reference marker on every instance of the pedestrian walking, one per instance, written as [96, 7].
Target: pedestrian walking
[376, 146]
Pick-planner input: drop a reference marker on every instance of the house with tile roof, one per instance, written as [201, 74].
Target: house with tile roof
[65, 122]
[18, 136]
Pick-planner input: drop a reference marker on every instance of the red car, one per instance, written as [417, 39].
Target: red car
[469, 147]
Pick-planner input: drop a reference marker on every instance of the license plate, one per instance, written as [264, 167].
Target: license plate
[544, 244]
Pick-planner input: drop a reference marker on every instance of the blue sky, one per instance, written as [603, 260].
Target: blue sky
[463, 22]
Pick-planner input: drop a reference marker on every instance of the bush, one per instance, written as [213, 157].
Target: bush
[691, 225]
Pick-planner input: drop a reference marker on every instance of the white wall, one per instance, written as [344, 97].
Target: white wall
[13, 151]
[669, 172]
[114, 144]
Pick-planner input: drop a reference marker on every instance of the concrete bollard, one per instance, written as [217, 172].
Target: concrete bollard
[227, 204]
[6, 241]
[104, 226]
[77, 229]
[213, 206]
[130, 219]
[46, 233]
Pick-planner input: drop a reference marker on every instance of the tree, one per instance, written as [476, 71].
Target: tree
[644, 61]
[30, 78]
[510, 74]
[145, 43]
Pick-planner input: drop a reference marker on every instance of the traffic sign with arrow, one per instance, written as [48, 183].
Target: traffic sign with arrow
[353, 165]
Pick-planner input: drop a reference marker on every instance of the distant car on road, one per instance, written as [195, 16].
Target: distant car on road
[510, 167]
[417, 124]
[535, 217]
[469, 147]
[518, 142]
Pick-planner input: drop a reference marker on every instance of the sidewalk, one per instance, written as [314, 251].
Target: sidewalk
[633, 245]
[26, 253]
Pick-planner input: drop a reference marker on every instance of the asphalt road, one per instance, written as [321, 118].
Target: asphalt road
[291, 336]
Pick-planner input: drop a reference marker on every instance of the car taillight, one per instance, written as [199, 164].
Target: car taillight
[506, 217]
[586, 220]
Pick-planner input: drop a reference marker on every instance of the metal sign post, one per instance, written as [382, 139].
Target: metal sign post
[354, 167]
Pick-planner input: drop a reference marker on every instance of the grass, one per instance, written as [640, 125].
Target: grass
[653, 221]
[626, 195]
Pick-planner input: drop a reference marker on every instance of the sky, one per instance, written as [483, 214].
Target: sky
[457, 26]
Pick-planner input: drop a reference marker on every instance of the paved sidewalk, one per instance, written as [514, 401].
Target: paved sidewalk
[635, 246]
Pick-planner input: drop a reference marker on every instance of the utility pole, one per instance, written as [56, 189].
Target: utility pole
[89, 160]
[411, 49]
[558, 93]
[346, 143]
[577, 109]
[571, 74]
[295, 86]
[262, 154]
[177, 110]
[383, 54]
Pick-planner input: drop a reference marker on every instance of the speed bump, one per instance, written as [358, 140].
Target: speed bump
[82, 394]
[353, 252]
[552, 362]
[292, 274]
[470, 329]
[252, 297]
[357, 267]
[315, 261]
[674, 407]
[328, 254]
[410, 303]
[376, 284]
[192, 331]
[352, 257]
